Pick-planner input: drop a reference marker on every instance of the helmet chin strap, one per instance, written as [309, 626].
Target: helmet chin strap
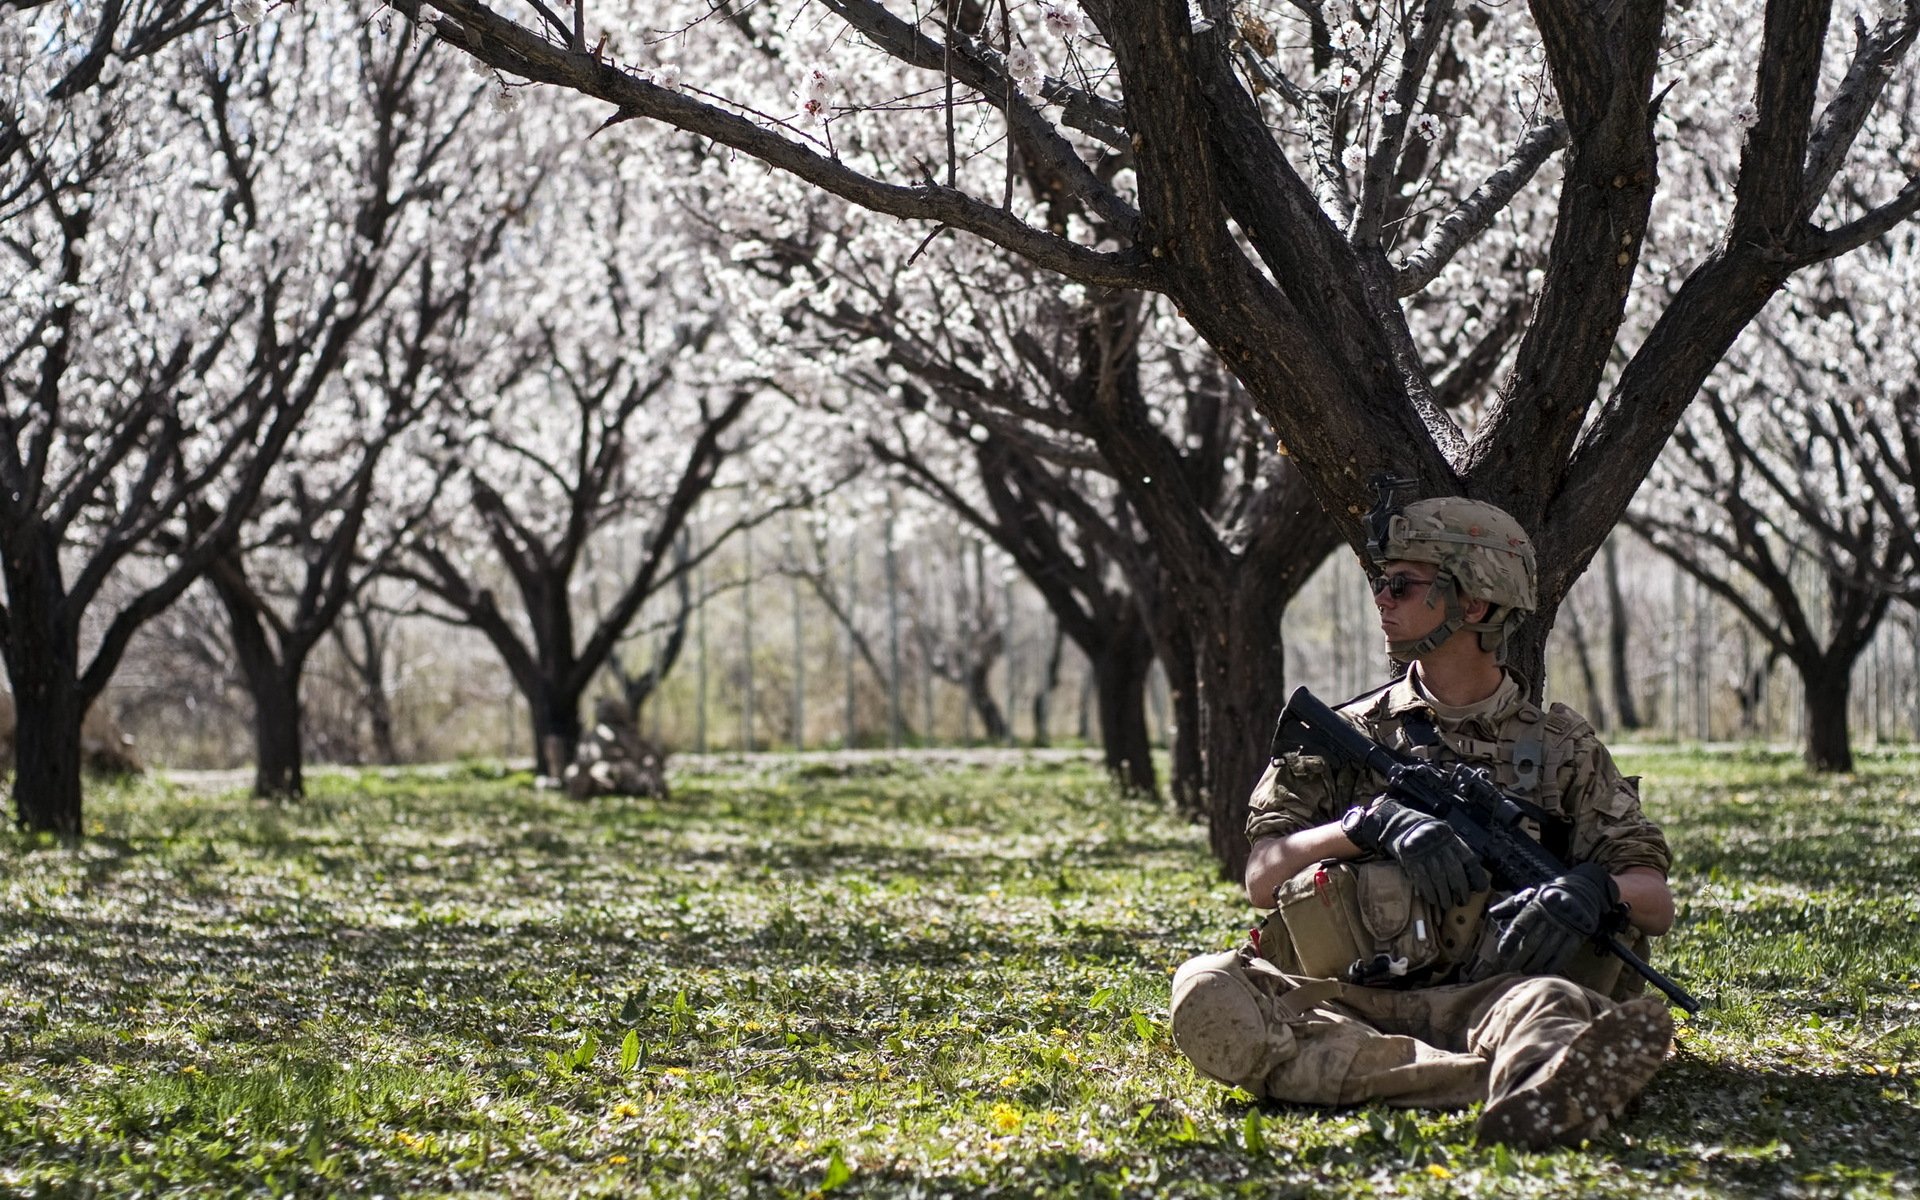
[1448, 592]
[1492, 631]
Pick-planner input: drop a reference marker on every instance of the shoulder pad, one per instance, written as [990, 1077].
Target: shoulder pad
[1565, 724]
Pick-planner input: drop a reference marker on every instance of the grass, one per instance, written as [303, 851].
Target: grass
[904, 980]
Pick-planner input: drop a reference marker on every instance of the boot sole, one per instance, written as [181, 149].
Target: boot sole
[1594, 1078]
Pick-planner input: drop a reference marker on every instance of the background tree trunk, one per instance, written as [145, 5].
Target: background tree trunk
[43, 665]
[1626, 713]
[1828, 687]
[46, 747]
[277, 736]
[1120, 687]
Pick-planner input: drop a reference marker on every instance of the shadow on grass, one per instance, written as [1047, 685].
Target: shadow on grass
[1764, 1131]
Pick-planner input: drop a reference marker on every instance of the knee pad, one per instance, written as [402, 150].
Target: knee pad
[1220, 1023]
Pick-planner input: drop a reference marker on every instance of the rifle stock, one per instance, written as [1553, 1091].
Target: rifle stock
[1467, 799]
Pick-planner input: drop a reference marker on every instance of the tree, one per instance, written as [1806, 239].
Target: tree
[609, 415]
[199, 273]
[337, 512]
[1328, 193]
[1799, 465]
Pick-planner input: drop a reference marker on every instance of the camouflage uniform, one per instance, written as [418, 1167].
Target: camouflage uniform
[1319, 1041]
[1553, 1056]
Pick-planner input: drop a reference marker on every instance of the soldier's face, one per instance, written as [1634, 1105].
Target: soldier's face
[1406, 616]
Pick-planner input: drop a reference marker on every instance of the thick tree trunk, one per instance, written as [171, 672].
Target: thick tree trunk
[1120, 684]
[46, 746]
[1828, 686]
[276, 736]
[555, 718]
[1242, 688]
[43, 664]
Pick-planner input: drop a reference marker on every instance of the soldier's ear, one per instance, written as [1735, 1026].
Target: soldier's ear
[1476, 610]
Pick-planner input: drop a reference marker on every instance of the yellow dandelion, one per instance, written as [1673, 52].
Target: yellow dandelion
[1438, 1171]
[1006, 1118]
[189, 1069]
[626, 1108]
[618, 1159]
[1010, 1081]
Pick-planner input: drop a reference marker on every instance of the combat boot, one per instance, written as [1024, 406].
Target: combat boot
[1589, 1082]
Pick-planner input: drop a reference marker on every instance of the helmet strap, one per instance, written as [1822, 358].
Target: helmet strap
[1447, 590]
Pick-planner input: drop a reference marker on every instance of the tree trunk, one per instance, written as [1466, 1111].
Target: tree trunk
[1242, 687]
[276, 736]
[1828, 686]
[980, 696]
[556, 726]
[43, 663]
[1187, 770]
[1120, 684]
[1625, 712]
[1043, 694]
[1583, 658]
[46, 747]
[272, 675]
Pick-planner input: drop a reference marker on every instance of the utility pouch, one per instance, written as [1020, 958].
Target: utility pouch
[1362, 922]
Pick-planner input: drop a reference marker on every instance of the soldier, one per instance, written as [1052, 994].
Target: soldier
[1385, 970]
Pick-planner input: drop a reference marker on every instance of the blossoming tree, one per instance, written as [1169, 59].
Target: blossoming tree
[193, 250]
[1325, 191]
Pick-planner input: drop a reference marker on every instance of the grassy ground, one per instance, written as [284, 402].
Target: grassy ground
[865, 979]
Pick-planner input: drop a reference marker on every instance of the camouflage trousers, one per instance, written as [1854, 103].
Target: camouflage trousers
[1317, 1041]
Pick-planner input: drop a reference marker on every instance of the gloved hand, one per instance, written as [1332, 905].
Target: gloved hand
[1547, 922]
[1443, 870]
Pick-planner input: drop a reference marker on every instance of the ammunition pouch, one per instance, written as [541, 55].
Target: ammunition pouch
[1361, 922]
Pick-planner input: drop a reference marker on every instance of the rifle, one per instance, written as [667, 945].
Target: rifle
[1472, 805]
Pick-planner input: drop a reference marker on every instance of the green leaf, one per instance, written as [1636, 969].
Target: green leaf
[631, 1010]
[837, 1171]
[1143, 1026]
[629, 1051]
[1252, 1134]
[588, 1047]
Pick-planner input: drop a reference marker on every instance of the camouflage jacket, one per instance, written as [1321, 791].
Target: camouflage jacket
[1595, 810]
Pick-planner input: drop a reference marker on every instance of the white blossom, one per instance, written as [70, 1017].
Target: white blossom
[1353, 157]
[1064, 21]
[1426, 126]
[1024, 65]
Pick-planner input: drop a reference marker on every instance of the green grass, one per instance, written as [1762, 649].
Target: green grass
[892, 981]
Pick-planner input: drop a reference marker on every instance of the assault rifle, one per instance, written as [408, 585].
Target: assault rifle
[1468, 800]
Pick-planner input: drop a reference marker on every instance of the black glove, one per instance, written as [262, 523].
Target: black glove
[1547, 922]
[1444, 871]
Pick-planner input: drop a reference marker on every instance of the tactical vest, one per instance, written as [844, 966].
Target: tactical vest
[1360, 921]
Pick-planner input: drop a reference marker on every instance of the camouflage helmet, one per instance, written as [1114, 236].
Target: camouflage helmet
[1482, 554]
[1484, 549]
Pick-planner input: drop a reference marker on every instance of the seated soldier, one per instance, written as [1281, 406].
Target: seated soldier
[1386, 971]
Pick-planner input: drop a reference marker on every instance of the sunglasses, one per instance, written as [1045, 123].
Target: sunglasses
[1397, 585]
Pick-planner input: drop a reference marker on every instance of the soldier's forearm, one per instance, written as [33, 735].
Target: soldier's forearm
[1273, 861]
[1648, 899]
